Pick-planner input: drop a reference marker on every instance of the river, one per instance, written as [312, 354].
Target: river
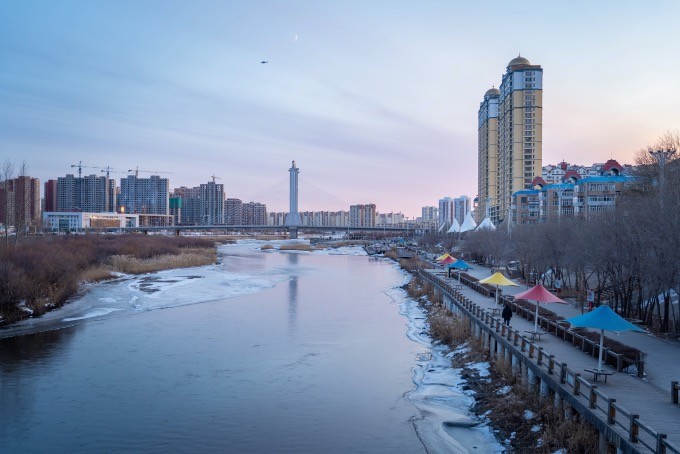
[266, 351]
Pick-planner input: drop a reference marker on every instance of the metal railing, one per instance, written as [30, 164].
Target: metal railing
[632, 431]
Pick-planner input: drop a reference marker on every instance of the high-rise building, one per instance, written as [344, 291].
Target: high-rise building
[362, 215]
[50, 196]
[233, 212]
[429, 214]
[91, 194]
[487, 162]
[20, 202]
[461, 207]
[446, 211]
[212, 203]
[254, 213]
[144, 195]
[191, 204]
[519, 137]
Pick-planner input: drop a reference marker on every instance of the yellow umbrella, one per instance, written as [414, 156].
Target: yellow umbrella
[497, 279]
[442, 257]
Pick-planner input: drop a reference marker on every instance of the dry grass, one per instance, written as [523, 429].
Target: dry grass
[266, 247]
[97, 274]
[296, 247]
[131, 265]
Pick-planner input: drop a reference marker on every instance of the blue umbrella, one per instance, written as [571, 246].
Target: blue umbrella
[603, 318]
[459, 265]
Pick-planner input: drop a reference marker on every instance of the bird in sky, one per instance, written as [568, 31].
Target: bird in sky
[264, 61]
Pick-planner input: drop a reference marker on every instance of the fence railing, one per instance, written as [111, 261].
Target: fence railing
[631, 428]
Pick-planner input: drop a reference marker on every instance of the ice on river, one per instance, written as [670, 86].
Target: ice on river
[128, 294]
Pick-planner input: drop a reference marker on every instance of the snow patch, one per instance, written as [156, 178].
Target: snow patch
[95, 313]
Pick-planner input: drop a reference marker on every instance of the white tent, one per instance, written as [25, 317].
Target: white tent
[486, 224]
[468, 223]
[455, 227]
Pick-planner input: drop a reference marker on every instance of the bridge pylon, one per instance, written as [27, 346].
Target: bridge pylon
[293, 220]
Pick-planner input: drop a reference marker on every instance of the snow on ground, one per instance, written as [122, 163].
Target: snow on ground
[446, 423]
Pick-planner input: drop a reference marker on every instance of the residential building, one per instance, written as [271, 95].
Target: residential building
[429, 214]
[362, 215]
[519, 139]
[50, 196]
[389, 219]
[212, 203]
[191, 204]
[91, 193]
[20, 202]
[574, 196]
[461, 207]
[144, 195]
[446, 211]
[487, 155]
[233, 212]
[254, 213]
[176, 209]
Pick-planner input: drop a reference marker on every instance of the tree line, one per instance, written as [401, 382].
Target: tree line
[629, 256]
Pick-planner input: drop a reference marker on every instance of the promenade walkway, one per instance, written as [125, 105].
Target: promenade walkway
[649, 397]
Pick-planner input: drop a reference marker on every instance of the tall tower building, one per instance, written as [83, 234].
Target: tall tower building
[233, 212]
[212, 203]
[90, 194]
[144, 195]
[461, 207]
[446, 211]
[487, 162]
[519, 137]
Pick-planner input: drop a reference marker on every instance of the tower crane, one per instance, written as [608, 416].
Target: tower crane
[136, 170]
[108, 170]
[214, 177]
[80, 167]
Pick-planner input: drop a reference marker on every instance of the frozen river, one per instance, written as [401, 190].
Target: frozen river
[265, 352]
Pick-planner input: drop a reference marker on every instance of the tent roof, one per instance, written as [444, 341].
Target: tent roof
[447, 260]
[497, 279]
[455, 227]
[486, 224]
[540, 294]
[603, 318]
[459, 264]
[443, 256]
[468, 223]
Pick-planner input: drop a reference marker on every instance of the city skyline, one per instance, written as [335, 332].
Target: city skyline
[377, 103]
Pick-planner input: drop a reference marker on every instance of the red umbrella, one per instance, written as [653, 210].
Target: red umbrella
[447, 260]
[539, 294]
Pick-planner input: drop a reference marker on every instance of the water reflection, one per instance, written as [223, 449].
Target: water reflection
[21, 358]
[292, 294]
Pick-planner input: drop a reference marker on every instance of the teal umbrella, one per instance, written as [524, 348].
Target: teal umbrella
[603, 318]
[459, 265]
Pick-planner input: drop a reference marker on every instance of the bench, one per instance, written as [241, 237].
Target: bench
[534, 335]
[599, 372]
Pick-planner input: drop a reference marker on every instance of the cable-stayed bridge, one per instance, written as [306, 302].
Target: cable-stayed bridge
[283, 198]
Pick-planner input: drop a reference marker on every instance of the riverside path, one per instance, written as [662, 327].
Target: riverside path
[649, 397]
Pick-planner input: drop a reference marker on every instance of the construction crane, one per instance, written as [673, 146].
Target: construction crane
[214, 177]
[108, 170]
[80, 167]
[136, 170]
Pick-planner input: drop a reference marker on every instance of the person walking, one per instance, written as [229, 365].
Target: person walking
[507, 314]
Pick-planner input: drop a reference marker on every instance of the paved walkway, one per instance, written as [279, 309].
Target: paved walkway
[651, 397]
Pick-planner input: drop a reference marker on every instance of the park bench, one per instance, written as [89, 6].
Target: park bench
[600, 373]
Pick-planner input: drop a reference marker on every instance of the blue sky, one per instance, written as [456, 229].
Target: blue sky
[376, 101]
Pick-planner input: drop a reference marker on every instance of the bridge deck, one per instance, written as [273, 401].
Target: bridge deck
[649, 397]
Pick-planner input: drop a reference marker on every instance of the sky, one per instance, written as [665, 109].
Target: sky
[376, 101]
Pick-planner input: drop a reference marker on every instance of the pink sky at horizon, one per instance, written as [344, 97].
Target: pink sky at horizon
[377, 103]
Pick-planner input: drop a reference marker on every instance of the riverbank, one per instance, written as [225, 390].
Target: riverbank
[43, 273]
[521, 421]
